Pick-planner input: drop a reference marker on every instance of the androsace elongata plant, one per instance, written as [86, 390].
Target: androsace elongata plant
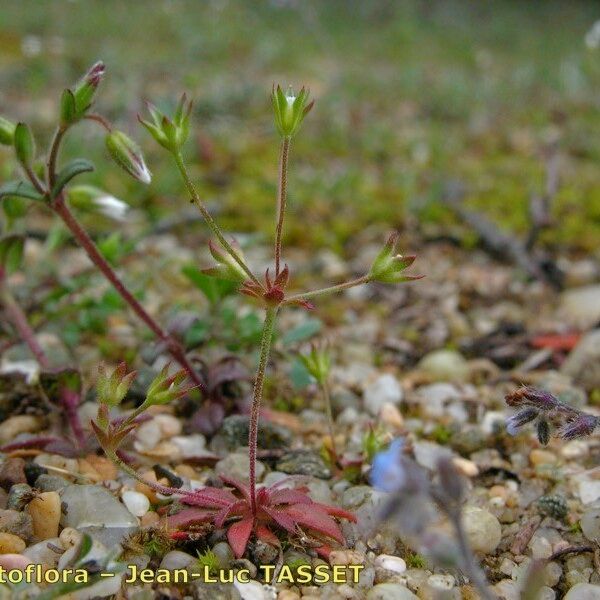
[289, 112]
[50, 186]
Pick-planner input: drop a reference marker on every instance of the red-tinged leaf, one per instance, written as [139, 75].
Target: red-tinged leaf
[315, 518]
[238, 485]
[209, 498]
[565, 341]
[334, 511]
[289, 497]
[188, 516]
[281, 518]
[264, 534]
[226, 512]
[239, 534]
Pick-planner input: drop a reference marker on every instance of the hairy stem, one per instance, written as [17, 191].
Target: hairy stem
[53, 154]
[195, 197]
[265, 349]
[84, 240]
[281, 199]
[19, 320]
[328, 290]
[327, 399]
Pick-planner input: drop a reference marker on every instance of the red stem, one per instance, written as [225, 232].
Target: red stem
[86, 242]
[17, 316]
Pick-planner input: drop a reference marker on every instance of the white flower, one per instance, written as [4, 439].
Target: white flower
[111, 207]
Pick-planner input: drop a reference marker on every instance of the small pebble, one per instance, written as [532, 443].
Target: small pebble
[541, 457]
[11, 544]
[13, 426]
[391, 563]
[45, 511]
[12, 470]
[136, 502]
[483, 529]
[583, 591]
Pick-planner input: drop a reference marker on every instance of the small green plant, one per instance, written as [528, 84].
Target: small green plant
[209, 561]
[318, 364]
[255, 511]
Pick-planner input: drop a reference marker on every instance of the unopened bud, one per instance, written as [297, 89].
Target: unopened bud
[166, 388]
[93, 199]
[85, 90]
[127, 154]
[24, 144]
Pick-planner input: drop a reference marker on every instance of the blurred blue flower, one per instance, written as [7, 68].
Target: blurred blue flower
[516, 421]
[388, 473]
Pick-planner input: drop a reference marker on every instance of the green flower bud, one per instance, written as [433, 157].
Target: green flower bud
[170, 133]
[317, 362]
[24, 144]
[127, 154]
[85, 90]
[228, 268]
[68, 109]
[166, 388]
[290, 110]
[113, 387]
[93, 199]
[389, 267]
[7, 132]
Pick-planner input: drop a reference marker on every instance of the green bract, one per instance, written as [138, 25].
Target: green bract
[290, 110]
[227, 268]
[170, 133]
[113, 387]
[389, 267]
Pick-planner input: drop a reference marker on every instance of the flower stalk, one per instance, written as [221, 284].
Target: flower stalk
[281, 199]
[265, 350]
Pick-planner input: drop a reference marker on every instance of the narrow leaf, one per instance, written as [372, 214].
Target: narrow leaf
[72, 169]
[20, 189]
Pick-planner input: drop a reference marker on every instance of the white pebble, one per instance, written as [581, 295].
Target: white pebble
[137, 504]
[391, 563]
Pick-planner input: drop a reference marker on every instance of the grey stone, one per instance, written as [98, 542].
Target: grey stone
[93, 509]
[590, 524]
[303, 462]
[390, 591]
[445, 365]
[17, 523]
[385, 389]
[235, 433]
[583, 363]
[237, 466]
[583, 591]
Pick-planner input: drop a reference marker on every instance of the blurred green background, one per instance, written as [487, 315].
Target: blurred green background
[410, 95]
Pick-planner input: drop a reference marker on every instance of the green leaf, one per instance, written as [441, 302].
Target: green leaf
[214, 289]
[302, 332]
[299, 375]
[72, 169]
[20, 189]
[11, 252]
[86, 546]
